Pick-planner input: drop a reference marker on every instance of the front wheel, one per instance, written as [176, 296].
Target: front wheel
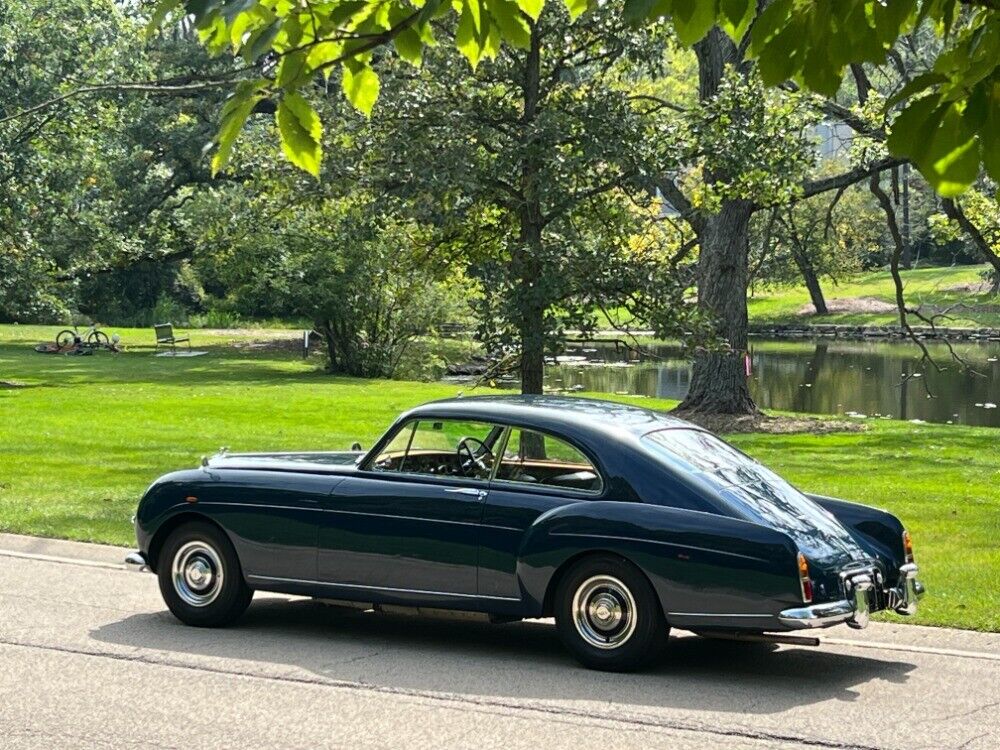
[200, 576]
[608, 615]
[65, 338]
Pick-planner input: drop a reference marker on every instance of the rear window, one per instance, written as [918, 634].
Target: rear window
[752, 490]
[703, 453]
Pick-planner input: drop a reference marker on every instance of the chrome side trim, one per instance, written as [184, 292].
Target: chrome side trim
[136, 562]
[360, 513]
[715, 614]
[657, 541]
[382, 588]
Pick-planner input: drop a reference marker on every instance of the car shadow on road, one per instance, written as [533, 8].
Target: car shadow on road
[522, 660]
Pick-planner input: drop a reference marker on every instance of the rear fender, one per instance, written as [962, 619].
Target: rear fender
[877, 532]
[697, 562]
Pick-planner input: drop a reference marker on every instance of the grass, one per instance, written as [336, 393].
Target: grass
[83, 439]
[933, 287]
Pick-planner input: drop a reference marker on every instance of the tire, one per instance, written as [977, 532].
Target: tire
[65, 338]
[98, 338]
[189, 568]
[608, 615]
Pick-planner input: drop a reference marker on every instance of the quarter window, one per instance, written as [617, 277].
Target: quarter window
[539, 459]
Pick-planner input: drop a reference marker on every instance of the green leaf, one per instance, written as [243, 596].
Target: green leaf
[259, 42]
[912, 130]
[575, 7]
[468, 42]
[324, 53]
[735, 11]
[301, 132]
[989, 134]
[232, 8]
[409, 45]
[778, 57]
[819, 71]
[512, 24]
[361, 85]
[693, 18]
[773, 19]
[159, 15]
[735, 17]
[293, 69]
[921, 83]
[233, 115]
[534, 7]
[636, 12]
[475, 13]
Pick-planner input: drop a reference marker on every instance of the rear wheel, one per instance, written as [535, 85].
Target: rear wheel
[200, 576]
[608, 615]
[98, 338]
[65, 338]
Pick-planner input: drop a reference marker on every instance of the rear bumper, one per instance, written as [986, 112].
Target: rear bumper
[855, 609]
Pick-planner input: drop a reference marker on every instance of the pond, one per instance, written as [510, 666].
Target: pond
[824, 376]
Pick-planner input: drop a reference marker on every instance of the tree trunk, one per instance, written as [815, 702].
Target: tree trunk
[718, 379]
[526, 257]
[956, 213]
[805, 267]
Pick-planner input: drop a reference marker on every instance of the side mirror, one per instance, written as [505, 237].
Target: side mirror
[356, 446]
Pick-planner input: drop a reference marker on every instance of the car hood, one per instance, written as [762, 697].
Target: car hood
[824, 541]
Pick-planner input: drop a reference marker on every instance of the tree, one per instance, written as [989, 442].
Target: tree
[948, 130]
[826, 236]
[535, 169]
[347, 263]
[92, 187]
[977, 216]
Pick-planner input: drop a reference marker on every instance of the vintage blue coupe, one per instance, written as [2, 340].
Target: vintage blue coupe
[618, 521]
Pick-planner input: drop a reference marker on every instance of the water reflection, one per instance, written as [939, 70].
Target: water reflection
[823, 376]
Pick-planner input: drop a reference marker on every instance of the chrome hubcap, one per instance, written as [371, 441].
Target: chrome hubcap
[604, 612]
[197, 573]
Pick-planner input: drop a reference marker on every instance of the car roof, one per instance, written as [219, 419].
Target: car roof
[554, 413]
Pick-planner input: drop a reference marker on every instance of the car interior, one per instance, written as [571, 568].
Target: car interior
[453, 448]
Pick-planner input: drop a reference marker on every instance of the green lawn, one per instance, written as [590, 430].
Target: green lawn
[933, 287]
[81, 443]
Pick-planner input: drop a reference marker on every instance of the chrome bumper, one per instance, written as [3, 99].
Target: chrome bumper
[135, 561]
[856, 609]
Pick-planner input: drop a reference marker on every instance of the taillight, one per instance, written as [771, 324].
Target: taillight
[907, 546]
[805, 583]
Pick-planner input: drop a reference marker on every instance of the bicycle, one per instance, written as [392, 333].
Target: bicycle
[94, 338]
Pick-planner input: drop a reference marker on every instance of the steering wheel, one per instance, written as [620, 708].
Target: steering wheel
[467, 458]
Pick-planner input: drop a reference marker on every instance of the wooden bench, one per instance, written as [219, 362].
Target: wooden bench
[165, 337]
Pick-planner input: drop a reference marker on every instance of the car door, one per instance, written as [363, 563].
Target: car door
[407, 526]
[536, 473]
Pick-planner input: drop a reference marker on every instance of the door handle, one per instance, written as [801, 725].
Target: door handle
[467, 491]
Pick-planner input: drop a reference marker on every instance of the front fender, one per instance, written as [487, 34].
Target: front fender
[698, 563]
[165, 499]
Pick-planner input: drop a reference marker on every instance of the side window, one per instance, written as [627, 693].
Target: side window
[536, 458]
[442, 447]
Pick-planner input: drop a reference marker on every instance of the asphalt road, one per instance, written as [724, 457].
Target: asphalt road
[89, 658]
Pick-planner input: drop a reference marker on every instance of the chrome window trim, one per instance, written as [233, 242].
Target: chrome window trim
[594, 466]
